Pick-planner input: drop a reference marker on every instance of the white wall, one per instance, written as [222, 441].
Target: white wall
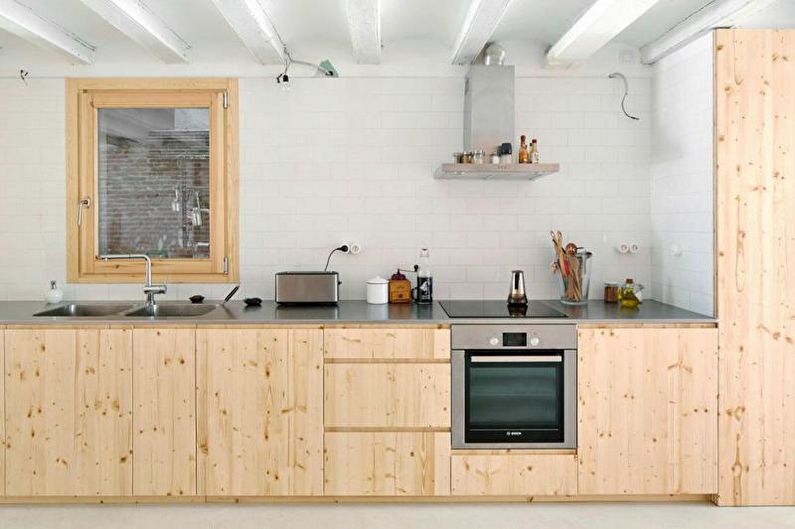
[352, 159]
[682, 178]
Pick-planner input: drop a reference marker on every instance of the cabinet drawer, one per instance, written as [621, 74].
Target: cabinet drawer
[387, 464]
[513, 474]
[387, 395]
[397, 344]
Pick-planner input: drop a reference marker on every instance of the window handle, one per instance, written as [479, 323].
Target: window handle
[84, 203]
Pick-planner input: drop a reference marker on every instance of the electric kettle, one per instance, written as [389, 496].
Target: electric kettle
[517, 294]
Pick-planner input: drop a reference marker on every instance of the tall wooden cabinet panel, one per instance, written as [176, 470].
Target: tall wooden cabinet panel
[387, 463]
[260, 411]
[68, 412]
[164, 406]
[755, 200]
[647, 410]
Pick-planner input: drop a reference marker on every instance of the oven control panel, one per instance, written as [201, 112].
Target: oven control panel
[514, 336]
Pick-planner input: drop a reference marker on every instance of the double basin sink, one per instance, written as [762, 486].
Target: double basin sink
[109, 310]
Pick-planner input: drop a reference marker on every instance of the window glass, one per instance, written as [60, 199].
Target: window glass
[153, 182]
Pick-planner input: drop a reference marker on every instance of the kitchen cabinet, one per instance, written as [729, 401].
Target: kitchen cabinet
[647, 410]
[2, 414]
[68, 413]
[164, 408]
[387, 411]
[755, 263]
[387, 395]
[260, 411]
[393, 343]
[513, 473]
[387, 463]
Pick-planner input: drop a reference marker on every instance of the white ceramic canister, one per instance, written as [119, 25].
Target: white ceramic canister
[377, 291]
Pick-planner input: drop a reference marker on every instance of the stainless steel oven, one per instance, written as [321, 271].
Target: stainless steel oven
[514, 386]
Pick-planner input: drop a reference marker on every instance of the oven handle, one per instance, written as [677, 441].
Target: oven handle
[515, 359]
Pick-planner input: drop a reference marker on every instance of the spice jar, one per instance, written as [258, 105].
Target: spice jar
[611, 292]
[467, 157]
[478, 156]
[495, 158]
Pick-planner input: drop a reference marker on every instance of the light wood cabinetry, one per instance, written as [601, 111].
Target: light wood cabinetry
[387, 411]
[398, 343]
[387, 463]
[68, 412]
[755, 215]
[2, 414]
[647, 410]
[514, 473]
[260, 411]
[164, 408]
[387, 395]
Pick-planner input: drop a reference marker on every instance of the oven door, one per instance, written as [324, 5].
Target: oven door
[514, 399]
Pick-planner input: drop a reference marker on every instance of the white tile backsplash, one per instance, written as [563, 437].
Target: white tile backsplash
[352, 160]
[682, 178]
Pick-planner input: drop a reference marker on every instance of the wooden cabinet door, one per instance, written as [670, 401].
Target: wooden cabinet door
[260, 411]
[387, 464]
[68, 412]
[2, 415]
[387, 395]
[514, 473]
[164, 405]
[647, 410]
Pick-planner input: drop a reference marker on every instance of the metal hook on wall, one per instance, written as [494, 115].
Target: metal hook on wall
[23, 74]
[619, 75]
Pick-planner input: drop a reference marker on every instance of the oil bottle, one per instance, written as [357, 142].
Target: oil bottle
[628, 294]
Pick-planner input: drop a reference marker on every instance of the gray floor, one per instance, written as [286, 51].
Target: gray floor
[457, 516]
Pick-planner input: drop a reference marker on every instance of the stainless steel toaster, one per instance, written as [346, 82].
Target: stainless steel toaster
[317, 288]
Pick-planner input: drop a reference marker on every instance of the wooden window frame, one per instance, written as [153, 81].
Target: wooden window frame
[83, 97]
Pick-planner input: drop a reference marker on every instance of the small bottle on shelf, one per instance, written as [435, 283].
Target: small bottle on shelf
[524, 154]
[535, 156]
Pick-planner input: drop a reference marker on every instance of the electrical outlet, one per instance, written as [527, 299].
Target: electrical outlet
[354, 248]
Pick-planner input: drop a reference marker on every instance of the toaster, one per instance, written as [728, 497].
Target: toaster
[315, 288]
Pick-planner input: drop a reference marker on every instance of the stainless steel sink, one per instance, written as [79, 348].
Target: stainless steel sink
[85, 310]
[171, 311]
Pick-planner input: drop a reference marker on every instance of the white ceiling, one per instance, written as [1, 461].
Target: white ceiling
[421, 29]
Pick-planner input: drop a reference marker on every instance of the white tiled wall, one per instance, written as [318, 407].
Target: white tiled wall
[351, 160]
[682, 178]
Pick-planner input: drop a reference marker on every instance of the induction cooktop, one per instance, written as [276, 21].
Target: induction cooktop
[492, 308]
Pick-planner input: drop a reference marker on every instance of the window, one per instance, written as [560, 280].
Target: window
[152, 169]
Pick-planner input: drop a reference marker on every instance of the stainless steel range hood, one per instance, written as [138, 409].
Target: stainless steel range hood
[489, 106]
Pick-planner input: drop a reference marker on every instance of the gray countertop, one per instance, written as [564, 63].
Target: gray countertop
[21, 313]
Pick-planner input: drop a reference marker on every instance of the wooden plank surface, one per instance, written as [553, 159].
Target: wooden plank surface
[514, 475]
[365, 343]
[387, 464]
[647, 411]
[260, 412]
[755, 199]
[387, 395]
[69, 422]
[164, 405]
[2, 414]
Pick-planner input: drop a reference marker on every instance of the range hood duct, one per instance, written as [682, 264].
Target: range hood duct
[489, 103]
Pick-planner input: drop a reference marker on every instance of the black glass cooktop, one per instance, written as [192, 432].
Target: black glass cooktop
[491, 308]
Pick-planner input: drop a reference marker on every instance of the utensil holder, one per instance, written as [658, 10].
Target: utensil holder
[575, 284]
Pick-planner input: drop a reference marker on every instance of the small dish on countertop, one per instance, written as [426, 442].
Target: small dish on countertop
[252, 302]
[196, 299]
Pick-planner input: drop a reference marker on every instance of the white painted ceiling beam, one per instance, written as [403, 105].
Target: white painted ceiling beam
[364, 26]
[22, 21]
[254, 28]
[603, 21]
[718, 14]
[480, 22]
[139, 23]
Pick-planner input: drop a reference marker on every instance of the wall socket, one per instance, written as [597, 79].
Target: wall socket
[354, 248]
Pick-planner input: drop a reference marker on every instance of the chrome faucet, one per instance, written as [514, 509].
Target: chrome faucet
[149, 289]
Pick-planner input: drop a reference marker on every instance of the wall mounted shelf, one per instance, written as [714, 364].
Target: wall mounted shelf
[512, 171]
